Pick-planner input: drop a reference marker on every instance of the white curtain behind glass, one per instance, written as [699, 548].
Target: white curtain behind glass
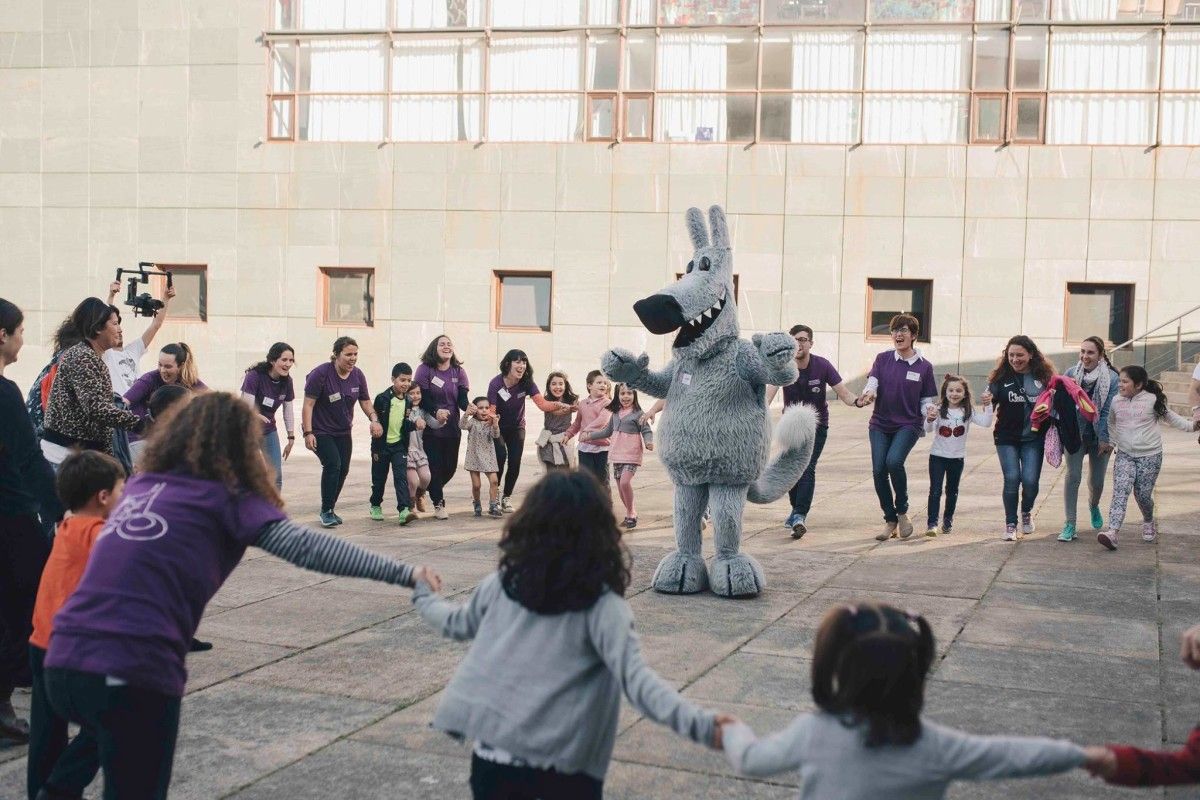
[535, 13]
[438, 13]
[1107, 60]
[1085, 9]
[991, 10]
[691, 62]
[345, 66]
[425, 65]
[824, 60]
[917, 61]
[540, 63]
[1181, 70]
[342, 14]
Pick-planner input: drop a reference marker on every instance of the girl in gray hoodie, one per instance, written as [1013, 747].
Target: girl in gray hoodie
[554, 649]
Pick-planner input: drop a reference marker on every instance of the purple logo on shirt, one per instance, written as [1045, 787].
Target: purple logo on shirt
[133, 519]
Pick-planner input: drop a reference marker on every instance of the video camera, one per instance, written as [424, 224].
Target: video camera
[143, 304]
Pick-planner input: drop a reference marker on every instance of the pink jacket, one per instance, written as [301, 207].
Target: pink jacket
[593, 416]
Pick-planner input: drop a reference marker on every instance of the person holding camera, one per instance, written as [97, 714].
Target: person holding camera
[80, 412]
[123, 360]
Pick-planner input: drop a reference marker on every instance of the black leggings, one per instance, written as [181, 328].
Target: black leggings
[334, 453]
[135, 730]
[23, 552]
[442, 452]
[509, 448]
[491, 781]
[62, 768]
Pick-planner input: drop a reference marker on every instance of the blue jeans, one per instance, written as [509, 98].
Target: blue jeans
[888, 451]
[1022, 468]
[274, 455]
[949, 471]
[801, 495]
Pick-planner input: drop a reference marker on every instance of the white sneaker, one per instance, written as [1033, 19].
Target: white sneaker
[439, 511]
[1149, 531]
[1108, 538]
[506, 505]
[1027, 526]
[1010, 533]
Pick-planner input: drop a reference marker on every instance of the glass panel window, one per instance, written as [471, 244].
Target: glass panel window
[905, 10]
[340, 118]
[342, 65]
[438, 13]
[826, 60]
[1104, 59]
[604, 61]
[1029, 118]
[1188, 10]
[1107, 10]
[437, 118]
[992, 10]
[707, 61]
[639, 61]
[523, 300]
[349, 297]
[536, 13]
[810, 118]
[283, 67]
[191, 292]
[707, 12]
[448, 64]
[1181, 58]
[1099, 309]
[988, 125]
[537, 63]
[639, 116]
[1181, 118]
[777, 61]
[602, 117]
[1032, 9]
[342, 14]
[281, 117]
[1100, 119]
[535, 117]
[1029, 55]
[918, 60]
[705, 117]
[604, 12]
[887, 297]
[800, 11]
[283, 14]
[916, 118]
[991, 60]
[640, 12]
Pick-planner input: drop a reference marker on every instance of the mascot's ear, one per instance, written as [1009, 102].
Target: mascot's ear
[720, 232]
[696, 228]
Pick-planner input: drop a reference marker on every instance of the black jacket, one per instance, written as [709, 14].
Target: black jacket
[383, 410]
[26, 479]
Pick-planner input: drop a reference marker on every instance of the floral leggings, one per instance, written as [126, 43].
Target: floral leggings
[1136, 474]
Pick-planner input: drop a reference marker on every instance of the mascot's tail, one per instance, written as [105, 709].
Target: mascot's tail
[796, 432]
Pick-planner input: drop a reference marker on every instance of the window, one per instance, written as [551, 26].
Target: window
[800, 11]
[523, 300]
[1099, 309]
[707, 12]
[917, 76]
[988, 116]
[695, 72]
[1098, 81]
[450, 64]
[639, 117]
[348, 296]
[679, 275]
[535, 82]
[437, 14]
[908, 10]
[191, 291]
[887, 297]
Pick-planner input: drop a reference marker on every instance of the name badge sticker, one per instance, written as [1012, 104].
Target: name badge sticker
[913, 376]
[436, 381]
[269, 402]
[504, 394]
[333, 398]
[685, 378]
[814, 382]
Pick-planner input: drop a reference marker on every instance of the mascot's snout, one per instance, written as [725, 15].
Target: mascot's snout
[660, 313]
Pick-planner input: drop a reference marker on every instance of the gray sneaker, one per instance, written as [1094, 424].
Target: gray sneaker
[328, 520]
[1027, 526]
[495, 510]
[888, 532]
[905, 526]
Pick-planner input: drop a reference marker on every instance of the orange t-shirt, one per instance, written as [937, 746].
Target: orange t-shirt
[68, 558]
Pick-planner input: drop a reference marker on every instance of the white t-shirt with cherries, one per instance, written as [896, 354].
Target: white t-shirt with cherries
[123, 365]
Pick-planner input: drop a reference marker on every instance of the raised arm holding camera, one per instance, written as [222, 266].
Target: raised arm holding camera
[124, 359]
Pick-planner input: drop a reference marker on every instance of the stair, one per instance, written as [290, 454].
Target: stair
[1176, 384]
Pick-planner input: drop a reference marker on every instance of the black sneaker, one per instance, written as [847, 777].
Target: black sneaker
[198, 646]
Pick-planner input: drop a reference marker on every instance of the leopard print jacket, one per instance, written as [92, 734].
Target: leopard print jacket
[81, 400]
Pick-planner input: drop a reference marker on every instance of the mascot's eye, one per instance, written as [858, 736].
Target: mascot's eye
[705, 264]
[691, 266]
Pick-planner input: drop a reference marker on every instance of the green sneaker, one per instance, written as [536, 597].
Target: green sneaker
[405, 516]
[1097, 518]
[377, 513]
[1068, 533]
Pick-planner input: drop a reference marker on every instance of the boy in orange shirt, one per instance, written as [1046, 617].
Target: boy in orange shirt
[89, 485]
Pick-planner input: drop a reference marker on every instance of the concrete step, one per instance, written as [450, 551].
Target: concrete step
[1176, 386]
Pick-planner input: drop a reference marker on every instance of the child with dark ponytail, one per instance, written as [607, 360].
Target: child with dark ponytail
[868, 738]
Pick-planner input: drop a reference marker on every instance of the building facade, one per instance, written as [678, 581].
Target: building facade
[514, 173]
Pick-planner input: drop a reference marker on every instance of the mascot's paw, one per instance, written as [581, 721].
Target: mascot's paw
[739, 576]
[777, 349]
[679, 573]
[623, 366]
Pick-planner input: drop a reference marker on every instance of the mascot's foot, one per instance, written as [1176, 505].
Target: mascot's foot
[739, 576]
[679, 573]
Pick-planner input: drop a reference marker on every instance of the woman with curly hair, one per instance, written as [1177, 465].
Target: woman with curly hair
[115, 664]
[539, 691]
[1013, 388]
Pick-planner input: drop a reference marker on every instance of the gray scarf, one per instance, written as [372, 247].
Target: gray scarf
[1100, 377]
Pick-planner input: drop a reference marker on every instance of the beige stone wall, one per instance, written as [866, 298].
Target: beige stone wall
[131, 131]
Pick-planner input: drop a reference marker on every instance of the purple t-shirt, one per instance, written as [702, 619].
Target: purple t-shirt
[510, 403]
[164, 552]
[336, 398]
[809, 388]
[139, 395]
[442, 385]
[901, 387]
[269, 394]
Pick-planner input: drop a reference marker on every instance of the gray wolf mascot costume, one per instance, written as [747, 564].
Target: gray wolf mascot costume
[715, 435]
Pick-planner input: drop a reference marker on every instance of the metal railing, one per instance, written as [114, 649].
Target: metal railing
[1169, 357]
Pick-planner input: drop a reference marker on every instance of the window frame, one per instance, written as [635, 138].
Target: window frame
[1004, 134]
[324, 274]
[1014, 101]
[926, 334]
[498, 276]
[202, 301]
[625, 98]
[612, 96]
[1130, 287]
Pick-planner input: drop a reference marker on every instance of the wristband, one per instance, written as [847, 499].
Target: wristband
[291, 436]
[307, 434]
